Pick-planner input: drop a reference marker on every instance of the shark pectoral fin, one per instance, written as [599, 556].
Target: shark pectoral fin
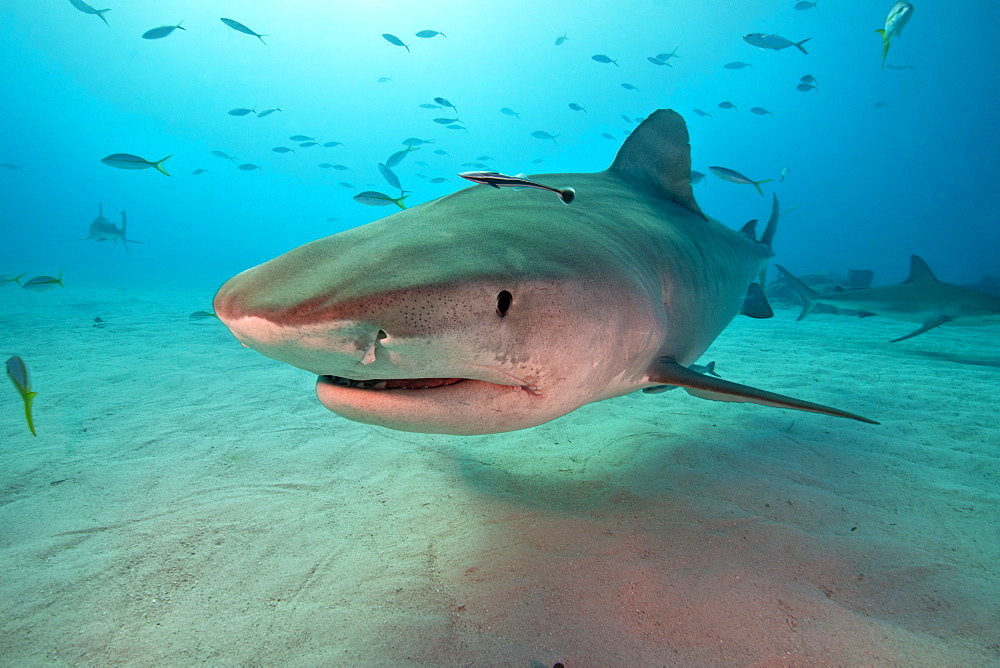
[755, 303]
[927, 326]
[667, 371]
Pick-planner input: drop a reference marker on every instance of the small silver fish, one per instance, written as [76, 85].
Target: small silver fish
[201, 315]
[727, 105]
[732, 176]
[428, 105]
[575, 107]
[760, 111]
[657, 61]
[498, 180]
[345, 184]
[628, 86]
[239, 27]
[240, 111]
[332, 144]
[129, 161]
[774, 42]
[736, 65]
[808, 78]
[608, 136]
[398, 156]
[601, 58]
[224, 156]
[267, 112]
[162, 31]
[247, 167]
[805, 87]
[510, 112]
[562, 38]
[308, 144]
[392, 39]
[427, 34]
[302, 138]
[390, 177]
[667, 56]
[439, 179]
[542, 134]
[416, 141]
[199, 171]
[87, 9]
[375, 198]
[445, 103]
[804, 4]
[283, 149]
[384, 79]
[702, 113]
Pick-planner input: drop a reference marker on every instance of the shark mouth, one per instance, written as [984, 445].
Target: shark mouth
[391, 383]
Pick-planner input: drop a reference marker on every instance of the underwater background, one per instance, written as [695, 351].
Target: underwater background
[189, 501]
[882, 162]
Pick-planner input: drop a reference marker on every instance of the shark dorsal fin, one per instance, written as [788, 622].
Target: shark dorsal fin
[920, 272]
[658, 156]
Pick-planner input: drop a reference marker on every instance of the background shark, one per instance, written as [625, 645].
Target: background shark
[102, 229]
[493, 310]
[920, 298]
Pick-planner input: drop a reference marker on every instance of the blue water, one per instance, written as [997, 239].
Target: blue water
[883, 163]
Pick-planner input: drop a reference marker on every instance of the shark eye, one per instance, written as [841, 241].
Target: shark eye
[503, 302]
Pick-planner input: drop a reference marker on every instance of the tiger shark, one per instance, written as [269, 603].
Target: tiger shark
[491, 310]
[920, 298]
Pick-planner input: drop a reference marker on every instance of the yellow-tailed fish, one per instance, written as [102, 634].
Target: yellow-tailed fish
[18, 374]
[894, 22]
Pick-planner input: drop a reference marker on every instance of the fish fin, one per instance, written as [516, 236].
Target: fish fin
[657, 155]
[920, 272]
[756, 184]
[666, 370]
[885, 45]
[124, 240]
[808, 294]
[926, 327]
[100, 14]
[755, 303]
[750, 229]
[799, 45]
[159, 165]
[29, 398]
[261, 38]
[17, 279]
[772, 222]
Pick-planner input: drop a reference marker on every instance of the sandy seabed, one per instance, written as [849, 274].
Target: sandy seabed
[188, 501]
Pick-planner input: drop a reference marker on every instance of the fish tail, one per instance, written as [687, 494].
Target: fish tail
[179, 26]
[100, 15]
[885, 45]
[261, 38]
[567, 195]
[399, 201]
[29, 397]
[159, 165]
[59, 280]
[17, 279]
[807, 294]
[405, 46]
[799, 45]
[756, 184]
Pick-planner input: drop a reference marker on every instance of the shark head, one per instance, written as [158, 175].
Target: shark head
[491, 309]
[472, 314]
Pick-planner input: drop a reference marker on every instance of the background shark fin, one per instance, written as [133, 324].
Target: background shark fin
[750, 229]
[927, 326]
[124, 240]
[755, 303]
[920, 272]
[808, 294]
[657, 155]
[667, 371]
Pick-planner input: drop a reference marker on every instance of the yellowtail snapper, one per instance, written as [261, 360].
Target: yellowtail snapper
[375, 198]
[427, 34]
[733, 176]
[239, 27]
[162, 31]
[87, 9]
[129, 161]
[43, 283]
[898, 16]
[18, 374]
[392, 39]
[498, 180]
[774, 42]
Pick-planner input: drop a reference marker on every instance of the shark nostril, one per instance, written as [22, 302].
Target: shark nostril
[370, 353]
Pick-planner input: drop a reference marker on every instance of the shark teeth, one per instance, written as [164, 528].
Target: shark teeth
[393, 383]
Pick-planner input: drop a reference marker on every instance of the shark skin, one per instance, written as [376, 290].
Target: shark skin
[493, 310]
[920, 298]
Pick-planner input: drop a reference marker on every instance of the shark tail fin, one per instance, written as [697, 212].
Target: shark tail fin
[159, 165]
[667, 371]
[768, 236]
[808, 294]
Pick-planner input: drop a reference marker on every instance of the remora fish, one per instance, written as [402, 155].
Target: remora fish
[462, 316]
[102, 229]
[775, 42]
[920, 298]
[18, 374]
[894, 22]
[498, 180]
